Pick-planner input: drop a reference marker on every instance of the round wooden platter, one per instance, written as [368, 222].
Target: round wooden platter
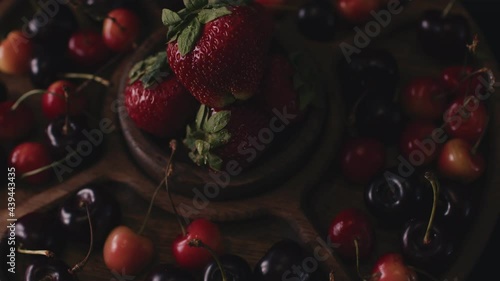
[251, 224]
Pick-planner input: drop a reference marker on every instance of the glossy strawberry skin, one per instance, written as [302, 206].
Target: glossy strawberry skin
[163, 110]
[245, 124]
[228, 61]
[278, 91]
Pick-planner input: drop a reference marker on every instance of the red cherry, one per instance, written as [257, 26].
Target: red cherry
[193, 258]
[15, 124]
[391, 267]
[452, 76]
[30, 156]
[362, 159]
[424, 98]
[460, 82]
[466, 121]
[120, 30]
[347, 226]
[459, 162]
[15, 53]
[87, 48]
[54, 102]
[357, 11]
[126, 252]
[417, 144]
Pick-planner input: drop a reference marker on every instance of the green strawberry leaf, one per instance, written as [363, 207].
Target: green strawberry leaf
[193, 5]
[208, 15]
[218, 121]
[218, 139]
[151, 71]
[214, 161]
[169, 17]
[202, 117]
[189, 36]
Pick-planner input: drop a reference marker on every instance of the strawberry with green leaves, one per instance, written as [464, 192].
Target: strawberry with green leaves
[155, 100]
[226, 137]
[218, 50]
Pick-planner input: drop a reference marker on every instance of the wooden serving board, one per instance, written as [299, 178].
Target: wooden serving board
[301, 205]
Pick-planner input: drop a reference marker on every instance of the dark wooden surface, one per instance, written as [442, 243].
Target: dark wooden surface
[251, 225]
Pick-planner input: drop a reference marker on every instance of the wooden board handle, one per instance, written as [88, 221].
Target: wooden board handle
[322, 250]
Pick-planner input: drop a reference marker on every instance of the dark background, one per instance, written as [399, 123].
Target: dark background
[486, 13]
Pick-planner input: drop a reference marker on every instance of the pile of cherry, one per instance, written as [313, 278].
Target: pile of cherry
[436, 126]
[92, 217]
[54, 54]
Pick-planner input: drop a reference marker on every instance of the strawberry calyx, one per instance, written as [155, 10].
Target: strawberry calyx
[186, 26]
[151, 71]
[208, 132]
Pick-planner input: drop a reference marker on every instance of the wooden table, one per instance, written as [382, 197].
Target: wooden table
[252, 234]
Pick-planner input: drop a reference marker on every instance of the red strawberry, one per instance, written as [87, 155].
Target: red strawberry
[287, 89]
[218, 51]
[278, 91]
[155, 100]
[218, 138]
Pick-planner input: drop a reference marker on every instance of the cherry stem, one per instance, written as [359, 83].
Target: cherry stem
[430, 277]
[481, 137]
[46, 253]
[44, 168]
[99, 71]
[168, 173]
[25, 96]
[150, 208]
[66, 118]
[122, 28]
[81, 264]
[199, 244]
[356, 246]
[92, 77]
[435, 190]
[352, 116]
[448, 8]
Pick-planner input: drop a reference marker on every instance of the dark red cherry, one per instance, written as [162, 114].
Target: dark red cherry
[391, 267]
[15, 124]
[424, 98]
[105, 214]
[48, 269]
[392, 198]
[316, 20]
[45, 65]
[87, 48]
[443, 38]
[67, 136]
[418, 143]
[278, 261]
[39, 231]
[433, 256]
[466, 118]
[348, 226]
[167, 272]
[53, 28]
[452, 77]
[361, 159]
[374, 71]
[235, 267]
[454, 209]
[378, 116]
